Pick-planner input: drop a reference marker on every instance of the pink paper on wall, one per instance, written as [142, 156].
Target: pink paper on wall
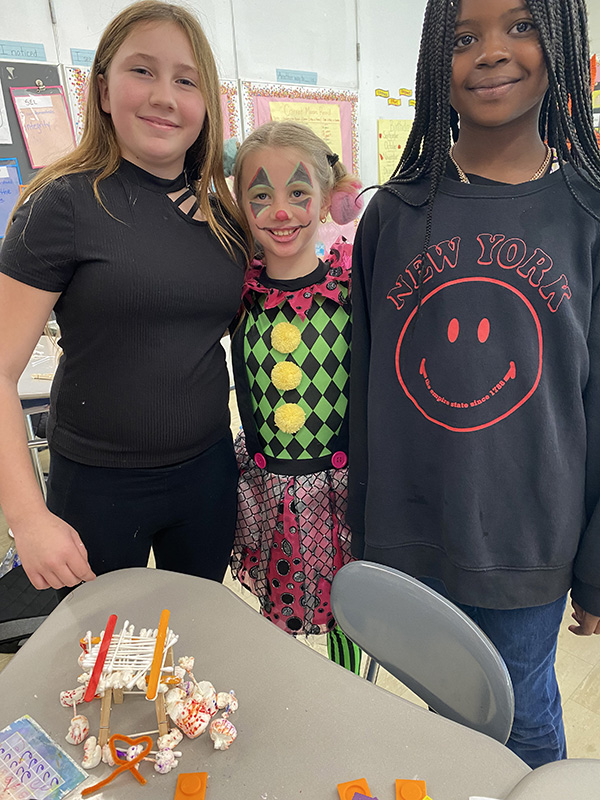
[45, 123]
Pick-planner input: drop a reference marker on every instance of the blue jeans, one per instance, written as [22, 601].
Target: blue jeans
[526, 640]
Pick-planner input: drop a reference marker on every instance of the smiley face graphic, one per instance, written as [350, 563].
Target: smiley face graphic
[472, 356]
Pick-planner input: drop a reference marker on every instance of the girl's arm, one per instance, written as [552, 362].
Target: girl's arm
[363, 256]
[585, 594]
[50, 550]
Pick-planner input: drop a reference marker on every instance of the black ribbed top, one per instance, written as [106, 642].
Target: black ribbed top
[146, 294]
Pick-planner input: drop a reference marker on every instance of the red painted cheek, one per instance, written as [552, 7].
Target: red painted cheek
[483, 331]
[453, 330]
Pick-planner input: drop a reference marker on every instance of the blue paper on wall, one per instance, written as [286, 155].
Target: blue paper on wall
[10, 188]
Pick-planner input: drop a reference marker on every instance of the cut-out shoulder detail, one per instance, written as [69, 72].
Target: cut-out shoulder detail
[186, 200]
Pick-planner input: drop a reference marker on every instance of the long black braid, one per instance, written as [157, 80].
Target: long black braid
[566, 119]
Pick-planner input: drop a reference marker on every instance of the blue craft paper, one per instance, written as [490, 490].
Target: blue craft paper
[29, 758]
[10, 188]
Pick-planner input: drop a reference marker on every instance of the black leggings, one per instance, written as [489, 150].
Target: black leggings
[185, 512]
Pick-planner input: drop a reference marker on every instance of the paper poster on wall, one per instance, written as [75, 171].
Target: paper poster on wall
[10, 188]
[45, 123]
[5, 134]
[259, 98]
[392, 135]
[324, 120]
[76, 82]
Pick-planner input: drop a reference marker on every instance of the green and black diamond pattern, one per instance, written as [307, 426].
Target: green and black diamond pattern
[323, 355]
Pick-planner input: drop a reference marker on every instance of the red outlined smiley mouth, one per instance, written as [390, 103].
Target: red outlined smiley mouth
[510, 375]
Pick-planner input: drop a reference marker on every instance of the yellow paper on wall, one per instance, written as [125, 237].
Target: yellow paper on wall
[392, 135]
[322, 118]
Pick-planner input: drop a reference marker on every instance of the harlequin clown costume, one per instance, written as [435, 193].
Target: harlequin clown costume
[291, 357]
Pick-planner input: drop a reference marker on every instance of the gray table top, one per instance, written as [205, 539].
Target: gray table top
[304, 724]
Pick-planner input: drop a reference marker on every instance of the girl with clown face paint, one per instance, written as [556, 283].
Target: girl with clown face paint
[291, 362]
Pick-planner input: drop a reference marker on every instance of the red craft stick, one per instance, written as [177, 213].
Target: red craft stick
[97, 671]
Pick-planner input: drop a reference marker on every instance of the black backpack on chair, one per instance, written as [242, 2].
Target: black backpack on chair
[23, 608]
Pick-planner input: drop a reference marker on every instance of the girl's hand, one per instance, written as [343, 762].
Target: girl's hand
[587, 623]
[51, 552]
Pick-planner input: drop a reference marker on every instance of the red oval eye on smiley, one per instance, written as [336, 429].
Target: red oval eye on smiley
[483, 331]
[453, 329]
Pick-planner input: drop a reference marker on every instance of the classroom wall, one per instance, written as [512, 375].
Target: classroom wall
[252, 39]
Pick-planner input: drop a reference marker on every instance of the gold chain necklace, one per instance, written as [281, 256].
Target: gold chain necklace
[538, 174]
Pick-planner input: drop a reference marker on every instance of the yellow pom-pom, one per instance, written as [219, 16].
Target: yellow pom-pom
[286, 375]
[285, 337]
[289, 418]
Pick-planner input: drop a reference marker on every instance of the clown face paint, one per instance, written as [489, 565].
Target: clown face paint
[460, 364]
[282, 202]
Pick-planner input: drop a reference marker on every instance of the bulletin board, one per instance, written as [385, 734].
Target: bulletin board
[331, 113]
[16, 75]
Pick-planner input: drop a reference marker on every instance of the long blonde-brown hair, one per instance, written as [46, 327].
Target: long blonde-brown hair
[99, 150]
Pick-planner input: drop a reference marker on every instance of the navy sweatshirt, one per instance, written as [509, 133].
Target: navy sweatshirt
[475, 414]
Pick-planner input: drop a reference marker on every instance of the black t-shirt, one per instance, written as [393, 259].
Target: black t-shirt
[146, 294]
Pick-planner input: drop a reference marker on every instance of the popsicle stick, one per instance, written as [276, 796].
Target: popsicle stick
[97, 671]
[157, 660]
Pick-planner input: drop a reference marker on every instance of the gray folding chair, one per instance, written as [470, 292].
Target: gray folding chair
[560, 780]
[426, 642]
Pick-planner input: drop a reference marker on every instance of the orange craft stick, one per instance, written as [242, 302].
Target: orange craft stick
[101, 658]
[157, 659]
[124, 764]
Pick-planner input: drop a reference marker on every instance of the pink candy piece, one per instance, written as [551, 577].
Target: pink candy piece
[227, 701]
[187, 663]
[107, 756]
[78, 729]
[190, 717]
[170, 740]
[222, 732]
[92, 753]
[72, 696]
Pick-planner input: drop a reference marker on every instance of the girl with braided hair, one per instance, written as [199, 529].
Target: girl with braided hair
[475, 384]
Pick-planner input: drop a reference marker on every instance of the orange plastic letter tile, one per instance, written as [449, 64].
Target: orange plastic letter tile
[411, 790]
[347, 791]
[191, 786]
